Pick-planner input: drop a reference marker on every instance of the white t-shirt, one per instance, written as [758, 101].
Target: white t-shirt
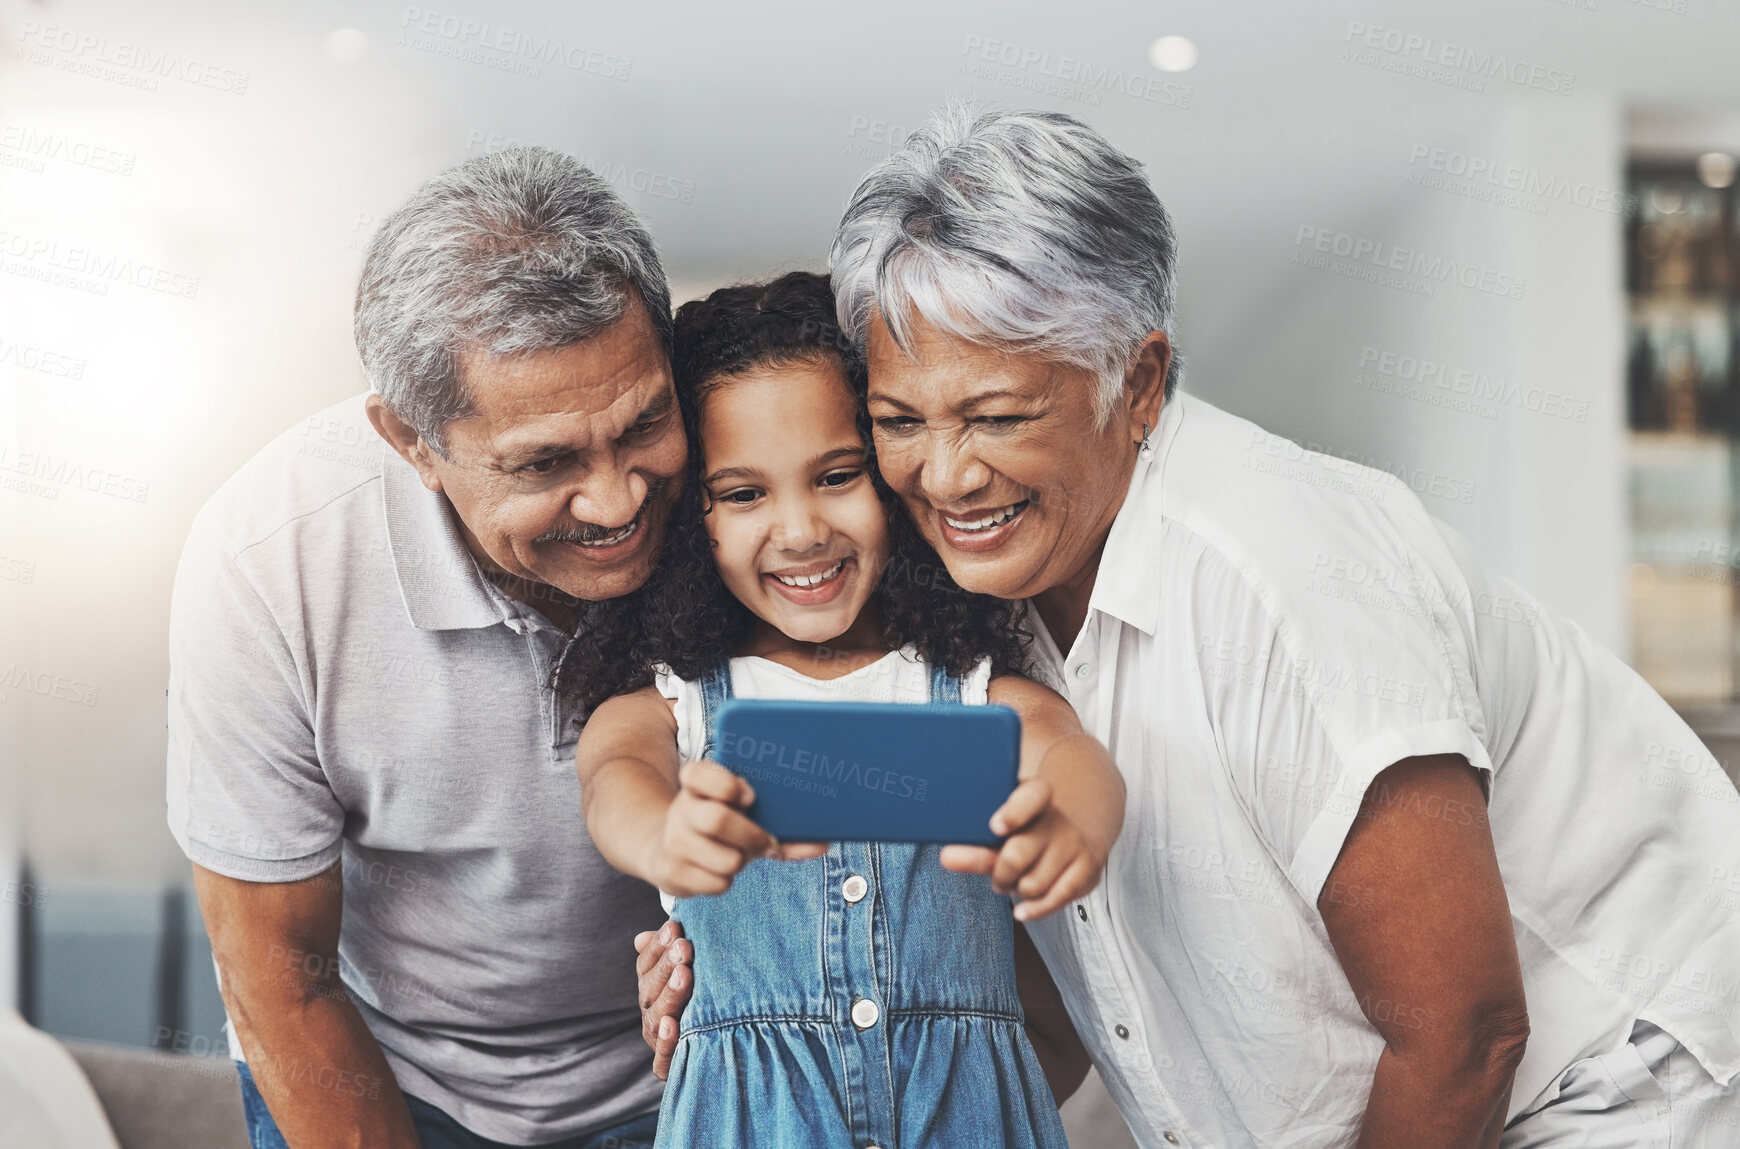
[898, 676]
[1271, 628]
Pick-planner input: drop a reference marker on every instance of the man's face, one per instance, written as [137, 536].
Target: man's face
[566, 469]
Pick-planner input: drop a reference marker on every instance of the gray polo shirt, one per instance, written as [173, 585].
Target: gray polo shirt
[345, 684]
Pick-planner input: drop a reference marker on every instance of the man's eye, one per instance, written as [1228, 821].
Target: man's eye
[644, 427]
[840, 478]
[543, 466]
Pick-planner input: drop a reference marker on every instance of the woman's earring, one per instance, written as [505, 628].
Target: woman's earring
[1147, 447]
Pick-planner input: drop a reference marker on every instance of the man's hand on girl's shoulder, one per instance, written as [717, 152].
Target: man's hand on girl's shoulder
[666, 983]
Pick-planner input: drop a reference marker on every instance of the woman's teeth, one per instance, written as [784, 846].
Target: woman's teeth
[613, 537]
[995, 518]
[800, 581]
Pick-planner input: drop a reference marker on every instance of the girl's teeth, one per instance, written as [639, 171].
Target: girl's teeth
[812, 580]
[993, 519]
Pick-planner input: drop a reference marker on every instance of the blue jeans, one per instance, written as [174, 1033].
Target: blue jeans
[436, 1130]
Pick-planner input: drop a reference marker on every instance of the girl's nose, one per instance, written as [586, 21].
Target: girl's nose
[799, 529]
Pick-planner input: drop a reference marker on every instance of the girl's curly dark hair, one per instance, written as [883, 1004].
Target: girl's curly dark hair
[684, 617]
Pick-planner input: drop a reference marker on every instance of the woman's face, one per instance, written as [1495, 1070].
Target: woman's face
[999, 458]
[801, 535]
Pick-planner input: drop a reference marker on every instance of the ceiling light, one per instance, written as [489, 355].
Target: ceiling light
[346, 45]
[1716, 169]
[1172, 54]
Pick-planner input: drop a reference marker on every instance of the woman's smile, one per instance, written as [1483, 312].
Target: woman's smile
[981, 530]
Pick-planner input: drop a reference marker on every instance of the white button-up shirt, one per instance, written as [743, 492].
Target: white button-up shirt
[1271, 628]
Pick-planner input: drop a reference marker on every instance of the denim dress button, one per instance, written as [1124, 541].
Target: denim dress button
[854, 888]
[864, 1013]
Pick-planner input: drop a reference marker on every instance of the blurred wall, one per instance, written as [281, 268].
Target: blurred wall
[1400, 227]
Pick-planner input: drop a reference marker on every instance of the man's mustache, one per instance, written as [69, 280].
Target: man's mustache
[592, 532]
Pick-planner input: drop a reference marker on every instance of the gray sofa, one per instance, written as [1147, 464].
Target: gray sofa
[164, 1100]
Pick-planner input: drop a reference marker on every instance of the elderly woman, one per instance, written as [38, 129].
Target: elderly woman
[1408, 860]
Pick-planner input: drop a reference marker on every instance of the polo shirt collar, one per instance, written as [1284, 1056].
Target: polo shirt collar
[1125, 586]
[438, 579]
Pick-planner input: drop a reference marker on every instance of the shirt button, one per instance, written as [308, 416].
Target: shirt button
[854, 888]
[1171, 1137]
[1121, 1030]
[864, 1013]
[1081, 912]
[1082, 670]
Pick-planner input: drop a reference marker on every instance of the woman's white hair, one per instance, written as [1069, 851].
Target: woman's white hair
[1026, 230]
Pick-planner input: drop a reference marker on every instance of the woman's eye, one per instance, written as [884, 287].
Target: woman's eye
[1001, 420]
[840, 478]
[895, 424]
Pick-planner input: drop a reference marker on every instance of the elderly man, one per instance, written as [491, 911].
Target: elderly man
[1408, 861]
[416, 941]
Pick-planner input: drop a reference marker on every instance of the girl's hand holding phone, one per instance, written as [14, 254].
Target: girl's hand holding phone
[1046, 859]
[708, 837]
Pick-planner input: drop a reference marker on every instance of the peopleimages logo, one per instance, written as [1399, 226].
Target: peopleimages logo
[88, 269]
[1443, 62]
[504, 48]
[31, 150]
[1383, 370]
[122, 61]
[1480, 178]
[1423, 267]
[760, 752]
[1067, 77]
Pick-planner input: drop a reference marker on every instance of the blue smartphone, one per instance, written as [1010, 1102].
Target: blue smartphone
[870, 771]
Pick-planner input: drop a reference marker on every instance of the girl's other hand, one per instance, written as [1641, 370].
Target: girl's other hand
[708, 838]
[1046, 860]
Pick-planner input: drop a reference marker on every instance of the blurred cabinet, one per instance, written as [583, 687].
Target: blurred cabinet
[1683, 406]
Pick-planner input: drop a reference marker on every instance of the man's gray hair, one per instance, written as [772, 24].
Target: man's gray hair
[518, 251]
[1019, 229]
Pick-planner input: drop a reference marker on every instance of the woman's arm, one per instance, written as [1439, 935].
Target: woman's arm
[1061, 1054]
[679, 825]
[1062, 819]
[1416, 910]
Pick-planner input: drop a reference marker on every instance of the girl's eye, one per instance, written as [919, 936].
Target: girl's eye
[840, 478]
[742, 496]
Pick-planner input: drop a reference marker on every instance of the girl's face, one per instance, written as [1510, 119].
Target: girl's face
[801, 535]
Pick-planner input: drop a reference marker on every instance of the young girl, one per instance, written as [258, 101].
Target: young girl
[854, 994]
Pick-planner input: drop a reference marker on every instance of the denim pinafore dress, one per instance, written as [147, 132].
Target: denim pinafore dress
[864, 998]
